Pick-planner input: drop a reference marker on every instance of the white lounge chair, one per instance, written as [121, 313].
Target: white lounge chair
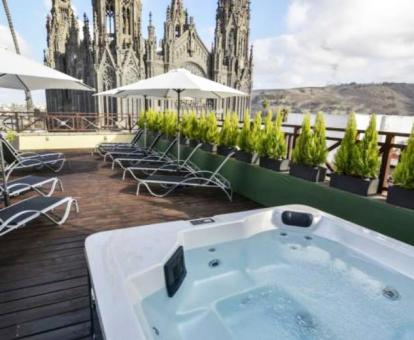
[133, 151]
[44, 186]
[149, 167]
[199, 179]
[16, 160]
[25, 211]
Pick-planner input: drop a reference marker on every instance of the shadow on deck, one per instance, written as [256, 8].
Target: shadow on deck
[43, 287]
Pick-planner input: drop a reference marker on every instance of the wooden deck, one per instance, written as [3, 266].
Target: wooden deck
[43, 286]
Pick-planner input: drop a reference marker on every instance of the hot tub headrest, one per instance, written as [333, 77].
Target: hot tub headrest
[297, 219]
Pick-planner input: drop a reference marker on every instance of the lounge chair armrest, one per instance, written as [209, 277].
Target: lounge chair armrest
[29, 154]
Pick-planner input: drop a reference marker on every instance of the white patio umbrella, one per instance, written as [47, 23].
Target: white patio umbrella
[20, 73]
[175, 84]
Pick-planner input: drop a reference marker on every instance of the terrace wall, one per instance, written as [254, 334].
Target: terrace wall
[68, 140]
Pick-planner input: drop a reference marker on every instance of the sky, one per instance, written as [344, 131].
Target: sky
[296, 42]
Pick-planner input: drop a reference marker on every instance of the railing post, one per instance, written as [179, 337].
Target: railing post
[16, 119]
[129, 123]
[385, 162]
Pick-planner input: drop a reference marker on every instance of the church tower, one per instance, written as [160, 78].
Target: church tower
[116, 53]
[67, 54]
[118, 49]
[231, 56]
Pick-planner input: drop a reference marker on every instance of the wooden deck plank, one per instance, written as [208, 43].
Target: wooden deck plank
[43, 291]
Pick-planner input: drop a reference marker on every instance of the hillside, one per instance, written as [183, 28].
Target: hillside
[386, 98]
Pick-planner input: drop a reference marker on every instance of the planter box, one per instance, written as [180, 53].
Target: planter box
[401, 197]
[224, 150]
[207, 147]
[244, 156]
[309, 173]
[356, 185]
[274, 164]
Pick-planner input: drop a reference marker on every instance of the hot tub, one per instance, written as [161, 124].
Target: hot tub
[288, 272]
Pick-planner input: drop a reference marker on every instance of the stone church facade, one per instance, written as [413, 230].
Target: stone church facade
[117, 54]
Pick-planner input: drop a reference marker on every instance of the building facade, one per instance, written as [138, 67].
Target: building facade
[118, 53]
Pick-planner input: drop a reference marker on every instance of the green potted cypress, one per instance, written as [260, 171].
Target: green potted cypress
[169, 125]
[310, 152]
[209, 131]
[273, 145]
[245, 144]
[185, 128]
[357, 164]
[194, 131]
[228, 134]
[401, 193]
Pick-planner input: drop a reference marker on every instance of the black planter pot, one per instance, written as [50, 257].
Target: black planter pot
[356, 185]
[274, 164]
[207, 147]
[168, 139]
[224, 150]
[244, 156]
[193, 143]
[309, 173]
[401, 197]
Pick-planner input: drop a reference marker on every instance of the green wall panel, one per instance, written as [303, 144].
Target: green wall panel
[270, 188]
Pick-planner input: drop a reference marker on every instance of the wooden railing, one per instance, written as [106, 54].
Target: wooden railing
[66, 122]
[389, 149]
[390, 143]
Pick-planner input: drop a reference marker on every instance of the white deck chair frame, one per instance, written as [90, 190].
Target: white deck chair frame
[138, 150]
[19, 159]
[112, 147]
[69, 201]
[157, 156]
[169, 166]
[53, 181]
[199, 179]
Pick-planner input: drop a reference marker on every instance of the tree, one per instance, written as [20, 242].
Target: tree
[245, 134]
[347, 155]
[367, 161]
[302, 153]
[230, 130]
[211, 129]
[169, 123]
[275, 142]
[256, 133]
[186, 124]
[202, 125]
[265, 104]
[404, 172]
[142, 120]
[319, 152]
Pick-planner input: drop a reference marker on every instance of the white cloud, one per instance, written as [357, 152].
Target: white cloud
[336, 41]
[6, 41]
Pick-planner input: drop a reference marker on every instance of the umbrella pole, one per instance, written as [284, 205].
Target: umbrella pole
[145, 124]
[178, 123]
[3, 173]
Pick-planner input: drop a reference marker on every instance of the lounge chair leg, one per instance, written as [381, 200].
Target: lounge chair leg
[60, 185]
[138, 187]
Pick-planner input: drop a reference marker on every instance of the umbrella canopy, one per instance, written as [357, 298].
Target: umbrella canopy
[20, 73]
[177, 83]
